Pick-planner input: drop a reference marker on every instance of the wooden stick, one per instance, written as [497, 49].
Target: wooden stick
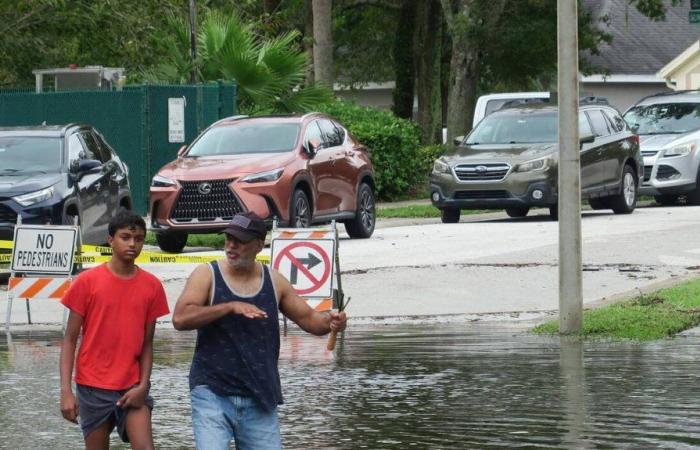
[334, 333]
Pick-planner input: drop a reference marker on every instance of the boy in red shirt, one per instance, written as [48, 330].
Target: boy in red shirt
[116, 304]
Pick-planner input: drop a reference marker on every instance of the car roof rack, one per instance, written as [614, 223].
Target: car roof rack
[593, 100]
[523, 101]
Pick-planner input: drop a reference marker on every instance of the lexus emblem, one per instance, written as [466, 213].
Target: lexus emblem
[481, 169]
[204, 188]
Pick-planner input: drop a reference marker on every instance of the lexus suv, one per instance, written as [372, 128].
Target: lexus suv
[299, 170]
[57, 174]
[668, 126]
[510, 161]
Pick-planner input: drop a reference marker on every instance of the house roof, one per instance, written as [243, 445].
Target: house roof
[640, 46]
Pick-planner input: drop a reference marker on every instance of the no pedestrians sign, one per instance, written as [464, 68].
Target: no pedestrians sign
[44, 249]
[307, 264]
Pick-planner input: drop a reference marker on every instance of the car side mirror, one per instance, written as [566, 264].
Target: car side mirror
[312, 145]
[181, 150]
[79, 167]
[458, 140]
[586, 138]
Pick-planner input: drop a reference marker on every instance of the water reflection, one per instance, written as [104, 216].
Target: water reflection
[386, 387]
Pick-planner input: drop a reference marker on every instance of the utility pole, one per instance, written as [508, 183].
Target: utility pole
[570, 283]
[193, 40]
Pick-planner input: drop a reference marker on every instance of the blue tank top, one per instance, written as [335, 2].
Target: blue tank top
[238, 356]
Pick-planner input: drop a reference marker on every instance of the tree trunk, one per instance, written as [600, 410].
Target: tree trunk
[323, 42]
[428, 46]
[464, 76]
[309, 41]
[404, 62]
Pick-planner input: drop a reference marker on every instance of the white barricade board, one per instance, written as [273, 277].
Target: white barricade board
[306, 257]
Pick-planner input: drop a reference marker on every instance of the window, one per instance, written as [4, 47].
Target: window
[313, 133]
[340, 131]
[245, 137]
[75, 147]
[584, 127]
[92, 151]
[330, 133]
[600, 125]
[105, 149]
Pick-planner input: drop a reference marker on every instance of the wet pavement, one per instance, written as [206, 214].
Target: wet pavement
[467, 385]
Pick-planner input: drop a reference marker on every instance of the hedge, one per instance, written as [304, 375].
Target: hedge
[393, 143]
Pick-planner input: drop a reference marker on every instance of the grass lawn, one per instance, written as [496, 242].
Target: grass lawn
[657, 315]
[418, 211]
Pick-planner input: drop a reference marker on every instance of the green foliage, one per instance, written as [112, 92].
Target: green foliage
[55, 33]
[655, 316]
[269, 73]
[393, 144]
[427, 156]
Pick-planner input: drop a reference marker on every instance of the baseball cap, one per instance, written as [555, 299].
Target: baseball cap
[246, 226]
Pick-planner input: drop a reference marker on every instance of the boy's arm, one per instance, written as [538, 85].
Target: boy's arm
[190, 311]
[69, 406]
[296, 308]
[136, 396]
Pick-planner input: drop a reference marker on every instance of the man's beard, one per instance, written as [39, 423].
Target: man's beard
[241, 263]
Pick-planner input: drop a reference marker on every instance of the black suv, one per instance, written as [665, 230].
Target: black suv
[52, 174]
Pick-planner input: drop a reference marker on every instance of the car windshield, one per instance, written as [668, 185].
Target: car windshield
[664, 118]
[23, 154]
[253, 138]
[515, 128]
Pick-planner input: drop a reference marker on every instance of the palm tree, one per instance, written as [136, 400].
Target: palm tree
[269, 74]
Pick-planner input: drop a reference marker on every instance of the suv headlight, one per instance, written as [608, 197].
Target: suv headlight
[270, 175]
[531, 166]
[160, 181]
[440, 166]
[34, 197]
[681, 150]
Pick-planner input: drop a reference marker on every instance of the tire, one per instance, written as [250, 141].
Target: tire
[554, 212]
[666, 200]
[599, 203]
[517, 212]
[450, 215]
[626, 200]
[693, 197]
[362, 226]
[300, 210]
[171, 242]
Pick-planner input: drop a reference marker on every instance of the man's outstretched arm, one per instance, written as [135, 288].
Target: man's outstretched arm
[296, 308]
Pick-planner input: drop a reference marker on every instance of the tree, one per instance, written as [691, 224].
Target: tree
[269, 73]
[428, 51]
[323, 42]
[55, 33]
[404, 66]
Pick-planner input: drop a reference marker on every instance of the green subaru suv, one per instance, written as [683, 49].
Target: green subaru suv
[510, 161]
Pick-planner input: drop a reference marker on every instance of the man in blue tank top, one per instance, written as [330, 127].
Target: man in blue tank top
[233, 304]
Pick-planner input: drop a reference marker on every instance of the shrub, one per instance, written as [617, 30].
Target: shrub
[393, 145]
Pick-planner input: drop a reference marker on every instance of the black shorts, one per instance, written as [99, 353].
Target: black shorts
[99, 405]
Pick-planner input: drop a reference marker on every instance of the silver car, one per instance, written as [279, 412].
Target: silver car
[668, 126]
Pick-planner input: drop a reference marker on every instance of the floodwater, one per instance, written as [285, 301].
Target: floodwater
[408, 386]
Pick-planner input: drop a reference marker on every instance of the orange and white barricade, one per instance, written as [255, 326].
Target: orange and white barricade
[34, 288]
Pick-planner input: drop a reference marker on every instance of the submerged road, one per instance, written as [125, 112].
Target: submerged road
[488, 264]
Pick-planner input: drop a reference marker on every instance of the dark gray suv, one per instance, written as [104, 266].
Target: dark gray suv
[510, 161]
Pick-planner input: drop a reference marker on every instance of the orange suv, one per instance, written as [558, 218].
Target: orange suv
[298, 169]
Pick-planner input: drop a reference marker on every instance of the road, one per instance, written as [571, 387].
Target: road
[490, 266]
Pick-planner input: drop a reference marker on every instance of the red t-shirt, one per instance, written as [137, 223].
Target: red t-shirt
[115, 312]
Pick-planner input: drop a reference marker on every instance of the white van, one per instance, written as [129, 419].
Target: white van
[486, 104]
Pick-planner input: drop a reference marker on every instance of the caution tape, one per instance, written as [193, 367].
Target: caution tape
[93, 254]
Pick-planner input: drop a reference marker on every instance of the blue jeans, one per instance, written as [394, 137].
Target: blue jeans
[216, 420]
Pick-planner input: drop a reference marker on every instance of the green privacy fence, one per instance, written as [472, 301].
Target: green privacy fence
[135, 121]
